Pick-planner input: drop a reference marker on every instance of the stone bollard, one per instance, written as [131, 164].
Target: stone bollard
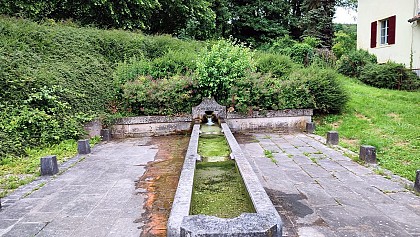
[368, 154]
[83, 147]
[105, 135]
[310, 127]
[417, 181]
[49, 165]
[332, 138]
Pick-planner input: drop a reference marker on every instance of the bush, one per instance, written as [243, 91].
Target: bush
[389, 75]
[324, 58]
[168, 96]
[302, 53]
[328, 94]
[55, 77]
[343, 43]
[353, 63]
[262, 92]
[281, 45]
[220, 67]
[276, 64]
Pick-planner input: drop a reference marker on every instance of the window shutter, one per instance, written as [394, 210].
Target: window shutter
[391, 31]
[373, 34]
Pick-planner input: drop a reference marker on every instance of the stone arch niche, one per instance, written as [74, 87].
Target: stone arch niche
[206, 106]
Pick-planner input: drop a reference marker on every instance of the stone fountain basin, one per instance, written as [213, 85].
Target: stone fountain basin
[265, 222]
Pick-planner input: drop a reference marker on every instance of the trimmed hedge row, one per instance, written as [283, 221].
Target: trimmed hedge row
[235, 76]
[56, 77]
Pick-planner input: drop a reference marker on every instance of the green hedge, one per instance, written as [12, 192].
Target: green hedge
[276, 64]
[390, 75]
[235, 76]
[55, 77]
[353, 63]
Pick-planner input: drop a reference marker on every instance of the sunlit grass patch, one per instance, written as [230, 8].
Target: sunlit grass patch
[386, 119]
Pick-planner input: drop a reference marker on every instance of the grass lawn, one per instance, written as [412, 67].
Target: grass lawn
[15, 172]
[386, 119]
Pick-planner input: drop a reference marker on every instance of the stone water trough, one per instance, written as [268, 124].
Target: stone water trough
[264, 222]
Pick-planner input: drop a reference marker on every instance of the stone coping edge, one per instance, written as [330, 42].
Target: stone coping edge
[272, 114]
[247, 224]
[256, 191]
[232, 115]
[183, 195]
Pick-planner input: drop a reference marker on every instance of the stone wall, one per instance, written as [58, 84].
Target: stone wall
[151, 126]
[93, 128]
[281, 120]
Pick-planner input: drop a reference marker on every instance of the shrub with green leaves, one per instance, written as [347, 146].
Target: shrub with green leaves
[55, 77]
[323, 85]
[262, 92]
[390, 75]
[281, 45]
[276, 64]
[167, 96]
[344, 43]
[352, 64]
[219, 67]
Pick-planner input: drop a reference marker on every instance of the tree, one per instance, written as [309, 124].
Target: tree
[347, 3]
[128, 14]
[317, 20]
[258, 21]
[223, 18]
[192, 19]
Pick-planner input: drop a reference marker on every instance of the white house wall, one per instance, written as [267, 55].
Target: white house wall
[407, 37]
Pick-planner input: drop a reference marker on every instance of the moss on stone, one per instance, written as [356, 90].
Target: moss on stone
[213, 145]
[219, 191]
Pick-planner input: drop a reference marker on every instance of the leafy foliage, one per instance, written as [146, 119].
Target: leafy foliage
[353, 63]
[276, 64]
[328, 94]
[219, 68]
[317, 20]
[54, 77]
[128, 14]
[259, 21]
[235, 76]
[344, 43]
[389, 75]
[251, 22]
[168, 96]
[187, 19]
[262, 92]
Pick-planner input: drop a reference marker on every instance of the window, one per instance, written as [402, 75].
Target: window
[384, 24]
[386, 29]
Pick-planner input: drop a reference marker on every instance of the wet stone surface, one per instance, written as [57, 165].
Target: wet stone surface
[318, 191]
[160, 181]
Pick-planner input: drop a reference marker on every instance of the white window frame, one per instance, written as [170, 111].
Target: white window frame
[383, 31]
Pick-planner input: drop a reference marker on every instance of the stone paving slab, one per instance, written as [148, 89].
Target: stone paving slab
[95, 196]
[320, 192]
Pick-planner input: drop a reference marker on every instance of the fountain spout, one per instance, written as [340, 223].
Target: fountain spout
[209, 121]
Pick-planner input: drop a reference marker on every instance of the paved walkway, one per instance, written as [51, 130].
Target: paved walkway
[96, 197]
[320, 192]
[317, 190]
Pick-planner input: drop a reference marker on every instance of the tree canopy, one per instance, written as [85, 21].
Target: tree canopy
[249, 21]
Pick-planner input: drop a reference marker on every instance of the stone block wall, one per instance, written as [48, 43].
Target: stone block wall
[281, 120]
